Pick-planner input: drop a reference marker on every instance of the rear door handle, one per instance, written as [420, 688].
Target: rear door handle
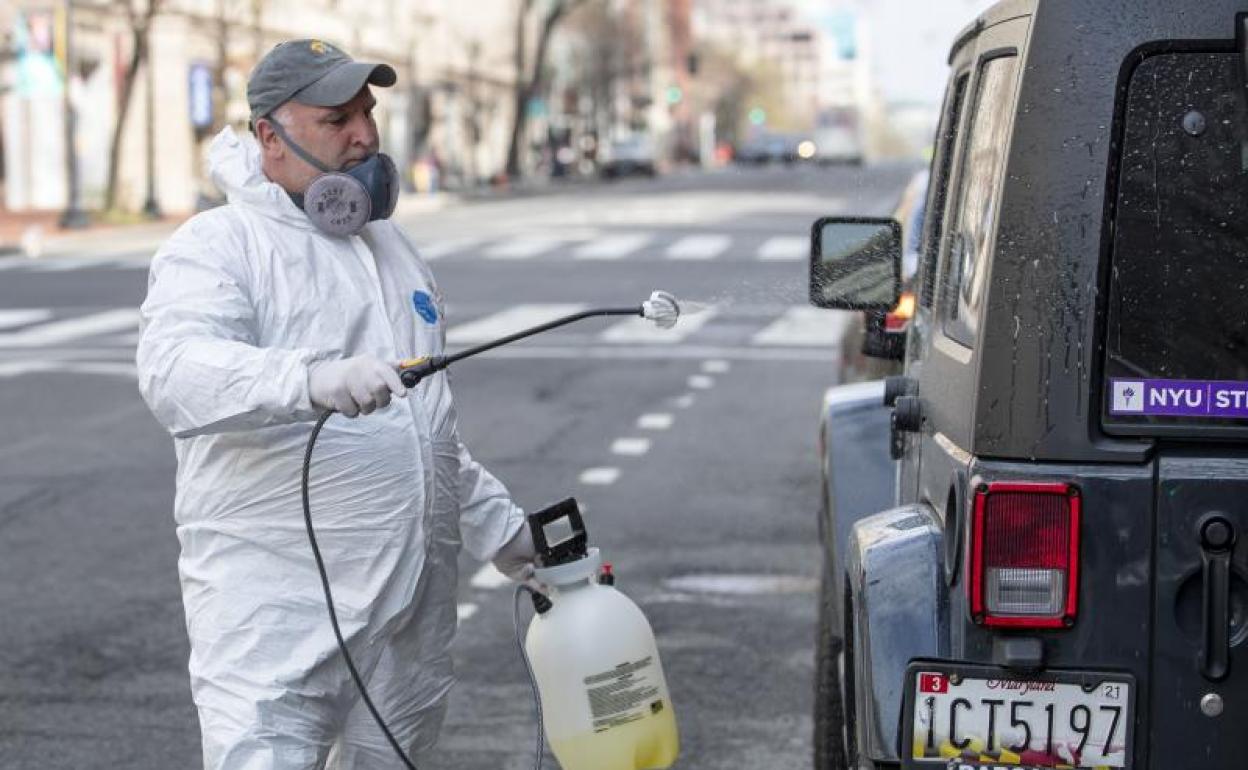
[1217, 541]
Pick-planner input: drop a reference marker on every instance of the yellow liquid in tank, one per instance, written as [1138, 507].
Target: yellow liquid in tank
[647, 744]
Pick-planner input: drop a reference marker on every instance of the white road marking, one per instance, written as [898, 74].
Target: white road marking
[685, 401]
[439, 249]
[465, 611]
[509, 321]
[641, 330]
[613, 246]
[599, 476]
[784, 248]
[701, 382]
[489, 577]
[38, 366]
[804, 326]
[716, 366]
[521, 248]
[126, 319]
[655, 421]
[13, 318]
[699, 247]
[630, 447]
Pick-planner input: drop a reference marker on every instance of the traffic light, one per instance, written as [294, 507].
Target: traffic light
[674, 95]
[758, 116]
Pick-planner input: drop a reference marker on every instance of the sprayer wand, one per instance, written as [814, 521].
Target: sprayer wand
[661, 308]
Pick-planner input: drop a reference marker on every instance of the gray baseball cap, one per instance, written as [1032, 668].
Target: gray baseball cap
[310, 72]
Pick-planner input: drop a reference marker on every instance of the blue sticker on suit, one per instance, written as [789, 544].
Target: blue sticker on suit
[425, 307]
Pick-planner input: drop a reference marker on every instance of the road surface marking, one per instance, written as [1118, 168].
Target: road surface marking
[613, 246]
[489, 577]
[13, 318]
[599, 476]
[439, 249]
[784, 248]
[521, 248]
[642, 330]
[803, 326]
[509, 321]
[38, 366]
[716, 366]
[685, 401]
[656, 421]
[465, 611]
[630, 447]
[699, 247]
[54, 332]
[701, 382]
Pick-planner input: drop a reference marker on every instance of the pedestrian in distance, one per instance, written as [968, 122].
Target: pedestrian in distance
[300, 296]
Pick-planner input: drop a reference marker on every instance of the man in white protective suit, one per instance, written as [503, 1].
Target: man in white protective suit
[297, 297]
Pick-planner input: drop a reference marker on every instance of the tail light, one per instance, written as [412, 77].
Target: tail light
[1025, 555]
[897, 318]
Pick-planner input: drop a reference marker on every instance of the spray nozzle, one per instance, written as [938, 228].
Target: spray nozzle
[661, 308]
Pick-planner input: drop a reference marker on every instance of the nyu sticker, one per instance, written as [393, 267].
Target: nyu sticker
[425, 307]
[1179, 398]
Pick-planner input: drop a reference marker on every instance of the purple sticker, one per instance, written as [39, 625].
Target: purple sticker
[1178, 398]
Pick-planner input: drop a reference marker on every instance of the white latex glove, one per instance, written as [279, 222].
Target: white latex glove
[515, 559]
[352, 386]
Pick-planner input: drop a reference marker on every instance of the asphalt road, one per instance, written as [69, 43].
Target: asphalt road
[694, 454]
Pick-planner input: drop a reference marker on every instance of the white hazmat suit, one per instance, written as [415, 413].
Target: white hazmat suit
[241, 300]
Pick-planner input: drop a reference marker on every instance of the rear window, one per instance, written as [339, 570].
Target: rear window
[1177, 330]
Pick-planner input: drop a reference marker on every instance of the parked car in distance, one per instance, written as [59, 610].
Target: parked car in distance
[631, 156]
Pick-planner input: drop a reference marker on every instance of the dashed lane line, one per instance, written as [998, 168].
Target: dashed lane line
[655, 421]
[602, 476]
[630, 447]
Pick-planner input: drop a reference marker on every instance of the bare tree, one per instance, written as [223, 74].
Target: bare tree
[529, 74]
[140, 21]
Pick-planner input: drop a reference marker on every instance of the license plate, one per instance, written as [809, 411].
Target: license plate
[963, 715]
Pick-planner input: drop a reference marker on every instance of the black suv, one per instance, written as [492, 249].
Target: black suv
[1048, 569]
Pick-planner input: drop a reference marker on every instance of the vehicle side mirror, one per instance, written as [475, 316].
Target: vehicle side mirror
[855, 263]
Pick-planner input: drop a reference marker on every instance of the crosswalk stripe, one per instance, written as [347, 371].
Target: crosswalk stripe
[784, 248]
[613, 246]
[521, 248]
[439, 249]
[125, 319]
[804, 326]
[699, 247]
[12, 318]
[508, 321]
[641, 330]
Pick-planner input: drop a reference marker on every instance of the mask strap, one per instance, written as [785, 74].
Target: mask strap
[302, 153]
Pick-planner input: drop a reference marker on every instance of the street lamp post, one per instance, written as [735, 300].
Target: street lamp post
[73, 216]
[151, 207]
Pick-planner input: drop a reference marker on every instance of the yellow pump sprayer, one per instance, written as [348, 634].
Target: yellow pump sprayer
[605, 703]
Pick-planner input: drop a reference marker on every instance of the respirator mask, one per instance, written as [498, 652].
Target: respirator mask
[340, 203]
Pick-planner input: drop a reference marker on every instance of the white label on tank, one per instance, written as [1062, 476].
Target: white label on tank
[624, 694]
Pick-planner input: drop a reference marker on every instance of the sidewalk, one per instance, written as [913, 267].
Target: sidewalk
[38, 235]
